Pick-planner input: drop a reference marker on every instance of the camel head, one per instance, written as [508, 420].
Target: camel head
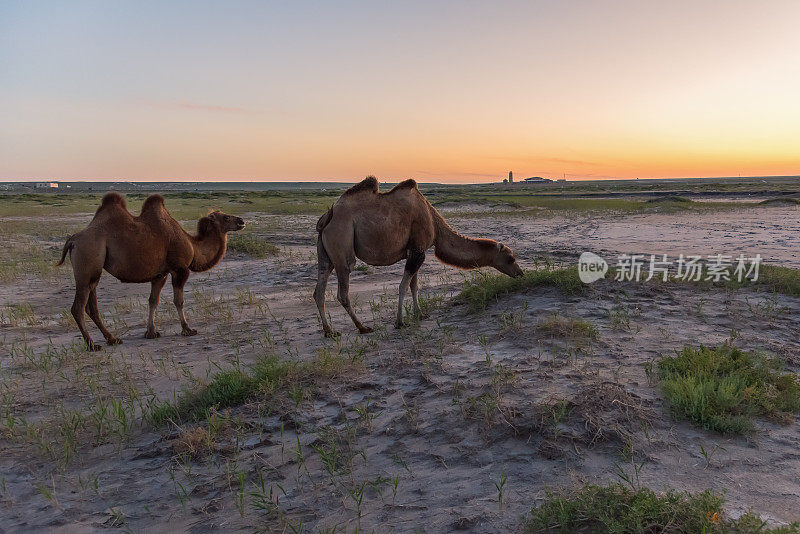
[505, 262]
[223, 222]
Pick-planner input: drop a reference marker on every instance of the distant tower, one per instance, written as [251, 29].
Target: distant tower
[510, 177]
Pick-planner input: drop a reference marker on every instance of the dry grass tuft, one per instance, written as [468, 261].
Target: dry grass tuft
[567, 327]
[601, 412]
[610, 413]
[193, 442]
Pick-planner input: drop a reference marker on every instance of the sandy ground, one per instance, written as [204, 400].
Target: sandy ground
[425, 423]
[769, 231]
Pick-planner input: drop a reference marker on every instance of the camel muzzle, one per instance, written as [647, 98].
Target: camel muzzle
[240, 224]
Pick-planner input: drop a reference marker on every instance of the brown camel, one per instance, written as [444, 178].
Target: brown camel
[384, 228]
[141, 249]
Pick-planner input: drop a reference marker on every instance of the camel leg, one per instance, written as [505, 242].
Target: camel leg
[94, 313]
[325, 267]
[343, 279]
[415, 295]
[414, 262]
[87, 266]
[78, 312]
[155, 292]
[402, 293]
[179, 279]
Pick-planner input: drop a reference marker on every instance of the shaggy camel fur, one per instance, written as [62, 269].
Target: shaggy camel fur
[141, 249]
[384, 228]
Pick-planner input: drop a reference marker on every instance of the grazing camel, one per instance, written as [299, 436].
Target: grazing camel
[141, 249]
[384, 228]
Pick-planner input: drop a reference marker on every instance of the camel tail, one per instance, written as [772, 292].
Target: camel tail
[67, 247]
[324, 220]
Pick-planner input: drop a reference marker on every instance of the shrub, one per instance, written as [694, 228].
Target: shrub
[722, 388]
[619, 509]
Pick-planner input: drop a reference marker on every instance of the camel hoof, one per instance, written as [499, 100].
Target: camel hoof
[93, 347]
[188, 332]
[364, 330]
[152, 335]
[399, 325]
[114, 341]
[333, 334]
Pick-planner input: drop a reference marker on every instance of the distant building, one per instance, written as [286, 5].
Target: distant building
[45, 185]
[537, 180]
[510, 177]
[561, 180]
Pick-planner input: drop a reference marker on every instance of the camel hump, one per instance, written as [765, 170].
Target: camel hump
[153, 203]
[370, 183]
[405, 184]
[111, 198]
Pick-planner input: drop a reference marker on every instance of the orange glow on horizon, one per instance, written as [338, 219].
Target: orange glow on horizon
[601, 90]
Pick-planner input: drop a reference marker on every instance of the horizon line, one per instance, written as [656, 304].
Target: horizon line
[324, 181]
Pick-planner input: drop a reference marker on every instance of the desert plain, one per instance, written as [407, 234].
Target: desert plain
[468, 418]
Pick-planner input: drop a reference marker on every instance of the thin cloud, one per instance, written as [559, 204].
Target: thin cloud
[524, 159]
[458, 173]
[572, 162]
[193, 106]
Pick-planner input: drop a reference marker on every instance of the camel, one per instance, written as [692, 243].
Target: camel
[384, 228]
[141, 249]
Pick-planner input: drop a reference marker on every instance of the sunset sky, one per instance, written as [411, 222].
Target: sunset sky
[438, 91]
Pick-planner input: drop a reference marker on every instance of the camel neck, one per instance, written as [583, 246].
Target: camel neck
[455, 249]
[209, 247]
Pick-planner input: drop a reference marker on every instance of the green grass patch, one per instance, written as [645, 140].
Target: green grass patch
[225, 389]
[534, 200]
[779, 279]
[669, 198]
[485, 289]
[268, 376]
[781, 201]
[181, 205]
[26, 257]
[191, 205]
[723, 388]
[618, 509]
[599, 204]
[251, 245]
